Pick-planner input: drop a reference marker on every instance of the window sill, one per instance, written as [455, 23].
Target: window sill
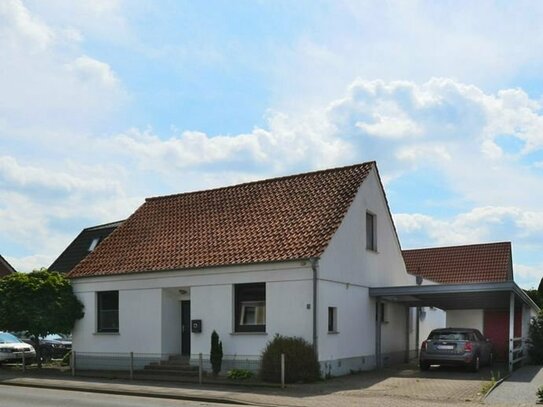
[333, 332]
[372, 251]
[106, 333]
[248, 333]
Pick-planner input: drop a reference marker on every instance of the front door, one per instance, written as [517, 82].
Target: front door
[185, 328]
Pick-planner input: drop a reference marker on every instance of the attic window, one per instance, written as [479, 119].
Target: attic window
[371, 232]
[94, 243]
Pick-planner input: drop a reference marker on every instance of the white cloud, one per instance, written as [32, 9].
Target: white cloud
[93, 71]
[528, 277]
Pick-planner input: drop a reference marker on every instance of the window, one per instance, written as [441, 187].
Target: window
[250, 307]
[371, 232]
[332, 319]
[108, 311]
[94, 243]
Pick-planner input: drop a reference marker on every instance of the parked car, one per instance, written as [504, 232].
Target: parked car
[456, 346]
[53, 346]
[11, 349]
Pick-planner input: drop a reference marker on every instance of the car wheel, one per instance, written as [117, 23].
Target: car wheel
[424, 366]
[475, 364]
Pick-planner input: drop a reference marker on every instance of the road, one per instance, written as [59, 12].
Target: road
[14, 396]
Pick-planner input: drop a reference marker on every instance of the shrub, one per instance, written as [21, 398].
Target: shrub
[540, 394]
[536, 337]
[301, 364]
[239, 374]
[216, 353]
[66, 359]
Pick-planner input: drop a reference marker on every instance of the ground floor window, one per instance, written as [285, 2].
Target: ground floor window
[108, 311]
[332, 319]
[250, 307]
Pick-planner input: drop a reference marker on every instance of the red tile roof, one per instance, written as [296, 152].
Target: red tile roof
[489, 262]
[279, 219]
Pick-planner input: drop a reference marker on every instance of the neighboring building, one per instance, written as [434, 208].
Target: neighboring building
[293, 255]
[5, 267]
[86, 242]
[471, 264]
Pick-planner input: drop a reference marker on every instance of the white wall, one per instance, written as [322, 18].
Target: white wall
[433, 318]
[469, 318]
[150, 316]
[347, 270]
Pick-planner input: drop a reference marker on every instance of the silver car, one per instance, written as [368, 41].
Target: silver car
[12, 348]
[456, 346]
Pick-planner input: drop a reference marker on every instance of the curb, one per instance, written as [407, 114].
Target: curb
[494, 386]
[136, 393]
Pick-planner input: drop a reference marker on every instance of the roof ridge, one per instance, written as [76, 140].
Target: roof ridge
[104, 225]
[458, 246]
[263, 181]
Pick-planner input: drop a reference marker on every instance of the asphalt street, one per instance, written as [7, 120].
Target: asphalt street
[14, 396]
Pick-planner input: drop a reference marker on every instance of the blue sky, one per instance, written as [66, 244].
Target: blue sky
[106, 102]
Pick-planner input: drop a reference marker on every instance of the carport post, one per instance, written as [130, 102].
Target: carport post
[511, 330]
[407, 312]
[378, 332]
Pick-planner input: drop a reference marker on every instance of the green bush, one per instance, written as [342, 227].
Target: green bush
[536, 337]
[301, 364]
[216, 353]
[540, 394]
[239, 374]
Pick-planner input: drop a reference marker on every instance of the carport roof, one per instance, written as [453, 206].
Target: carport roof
[455, 296]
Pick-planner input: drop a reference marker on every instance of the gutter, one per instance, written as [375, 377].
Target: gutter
[314, 266]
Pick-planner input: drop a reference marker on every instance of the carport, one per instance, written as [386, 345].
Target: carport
[506, 296]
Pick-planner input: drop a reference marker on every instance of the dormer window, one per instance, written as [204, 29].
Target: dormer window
[94, 243]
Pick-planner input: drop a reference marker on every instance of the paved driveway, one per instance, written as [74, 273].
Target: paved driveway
[521, 387]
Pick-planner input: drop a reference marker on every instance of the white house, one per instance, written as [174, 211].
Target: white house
[293, 255]
[313, 255]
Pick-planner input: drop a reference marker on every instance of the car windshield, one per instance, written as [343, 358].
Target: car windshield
[449, 336]
[8, 338]
[58, 337]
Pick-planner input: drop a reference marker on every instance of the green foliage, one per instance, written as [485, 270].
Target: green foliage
[239, 374]
[38, 303]
[536, 297]
[536, 337]
[216, 353]
[540, 394]
[301, 364]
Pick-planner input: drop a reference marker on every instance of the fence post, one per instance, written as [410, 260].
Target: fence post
[131, 365]
[72, 362]
[24, 361]
[282, 370]
[200, 368]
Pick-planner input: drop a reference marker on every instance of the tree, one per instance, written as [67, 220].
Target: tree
[536, 297]
[38, 303]
[536, 338]
[216, 353]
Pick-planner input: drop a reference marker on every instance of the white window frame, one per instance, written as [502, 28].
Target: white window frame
[260, 312]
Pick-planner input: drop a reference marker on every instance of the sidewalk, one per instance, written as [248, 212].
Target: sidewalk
[401, 386]
[520, 387]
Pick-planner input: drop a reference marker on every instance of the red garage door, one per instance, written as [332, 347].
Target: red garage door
[496, 327]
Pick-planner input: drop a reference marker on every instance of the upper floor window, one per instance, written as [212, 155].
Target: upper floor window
[371, 231]
[250, 307]
[108, 311]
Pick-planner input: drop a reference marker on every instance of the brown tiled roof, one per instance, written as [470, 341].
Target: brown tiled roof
[489, 262]
[279, 219]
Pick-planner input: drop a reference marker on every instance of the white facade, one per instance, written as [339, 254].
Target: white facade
[150, 308]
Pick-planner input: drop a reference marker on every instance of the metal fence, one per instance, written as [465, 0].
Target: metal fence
[197, 368]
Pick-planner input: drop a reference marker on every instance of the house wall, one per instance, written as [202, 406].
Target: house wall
[469, 318]
[345, 272]
[150, 316]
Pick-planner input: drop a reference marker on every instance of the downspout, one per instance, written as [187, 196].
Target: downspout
[314, 266]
